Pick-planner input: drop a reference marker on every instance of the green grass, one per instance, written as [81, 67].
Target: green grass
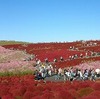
[17, 73]
[4, 42]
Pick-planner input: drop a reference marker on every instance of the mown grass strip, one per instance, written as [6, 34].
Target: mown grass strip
[17, 73]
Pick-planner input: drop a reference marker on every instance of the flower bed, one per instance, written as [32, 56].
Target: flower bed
[24, 87]
[12, 62]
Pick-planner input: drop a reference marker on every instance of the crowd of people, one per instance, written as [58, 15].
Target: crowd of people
[71, 73]
[47, 70]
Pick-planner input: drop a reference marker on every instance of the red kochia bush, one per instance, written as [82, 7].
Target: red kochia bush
[63, 94]
[4, 90]
[85, 84]
[93, 95]
[74, 93]
[27, 95]
[47, 95]
[17, 91]
[96, 86]
[8, 96]
[85, 91]
[24, 87]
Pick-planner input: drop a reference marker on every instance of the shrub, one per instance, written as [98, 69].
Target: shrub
[85, 91]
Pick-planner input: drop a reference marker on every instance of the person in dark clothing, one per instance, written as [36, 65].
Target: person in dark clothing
[38, 75]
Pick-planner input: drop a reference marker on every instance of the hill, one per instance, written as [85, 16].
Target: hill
[4, 42]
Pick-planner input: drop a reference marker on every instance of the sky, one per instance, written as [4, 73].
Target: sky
[49, 20]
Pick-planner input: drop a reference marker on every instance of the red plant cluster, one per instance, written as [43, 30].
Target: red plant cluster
[24, 87]
[56, 50]
[49, 50]
[38, 46]
[91, 48]
[75, 62]
[51, 55]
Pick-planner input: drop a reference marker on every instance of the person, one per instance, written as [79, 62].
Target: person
[55, 60]
[97, 72]
[46, 60]
[50, 71]
[38, 75]
[59, 73]
[81, 55]
[80, 75]
[56, 73]
[61, 59]
[38, 62]
[92, 75]
[86, 74]
[43, 72]
[66, 74]
[71, 74]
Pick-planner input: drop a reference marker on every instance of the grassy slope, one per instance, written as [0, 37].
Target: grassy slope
[4, 42]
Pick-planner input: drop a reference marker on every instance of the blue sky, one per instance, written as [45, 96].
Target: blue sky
[49, 20]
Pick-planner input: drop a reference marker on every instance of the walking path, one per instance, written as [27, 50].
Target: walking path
[52, 79]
